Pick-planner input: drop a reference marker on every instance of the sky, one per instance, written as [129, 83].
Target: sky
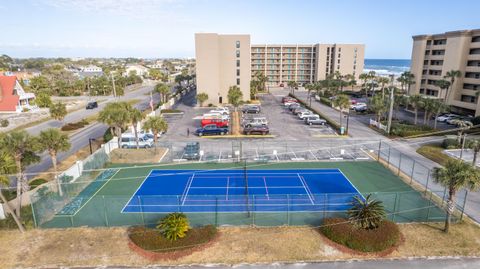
[165, 28]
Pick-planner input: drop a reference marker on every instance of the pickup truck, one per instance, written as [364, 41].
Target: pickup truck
[211, 129]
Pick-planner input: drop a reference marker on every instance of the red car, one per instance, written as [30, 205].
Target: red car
[289, 99]
[217, 122]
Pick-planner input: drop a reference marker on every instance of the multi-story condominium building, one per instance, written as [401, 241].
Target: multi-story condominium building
[306, 63]
[434, 55]
[226, 60]
[222, 61]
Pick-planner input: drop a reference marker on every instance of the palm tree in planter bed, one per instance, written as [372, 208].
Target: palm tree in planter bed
[456, 175]
[174, 226]
[475, 146]
[366, 213]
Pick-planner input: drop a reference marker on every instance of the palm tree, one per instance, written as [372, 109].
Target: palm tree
[377, 104]
[409, 79]
[363, 77]
[7, 166]
[53, 141]
[383, 81]
[234, 96]
[58, 111]
[117, 116]
[350, 80]
[474, 144]
[372, 77]
[156, 125]
[164, 91]
[202, 97]
[292, 85]
[452, 74]
[21, 146]
[135, 117]
[428, 107]
[342, 102]
[366, 213]
[443, 85]
[438, 108]
[261, 80]
[456, 175]
[417, 102]
[462, 125]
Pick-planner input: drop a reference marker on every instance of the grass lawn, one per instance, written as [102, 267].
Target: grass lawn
[435, 153]
[108, 246]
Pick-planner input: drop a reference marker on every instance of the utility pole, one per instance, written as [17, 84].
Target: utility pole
[114, 90]
[463, 145]
[390, 112]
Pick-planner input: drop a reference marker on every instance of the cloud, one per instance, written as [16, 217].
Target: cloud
[136, 9]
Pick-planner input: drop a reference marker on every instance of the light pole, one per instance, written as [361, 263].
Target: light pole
[390, 111]
[90, 144]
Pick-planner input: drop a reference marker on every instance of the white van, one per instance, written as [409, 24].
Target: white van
[128, 141]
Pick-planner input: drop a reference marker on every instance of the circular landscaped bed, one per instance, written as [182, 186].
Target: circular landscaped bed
[382, 240]
[151, 244]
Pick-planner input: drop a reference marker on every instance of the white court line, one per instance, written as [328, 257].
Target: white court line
[300, 178]
[351, 184]
[186, 194]
[91, 197]
[271, 187]
[266, 188]
[133, 195]
[184, 190]
[228, 183]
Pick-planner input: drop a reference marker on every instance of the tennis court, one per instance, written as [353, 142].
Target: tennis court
[236, 190]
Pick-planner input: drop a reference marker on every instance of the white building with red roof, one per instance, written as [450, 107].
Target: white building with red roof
[12, 96]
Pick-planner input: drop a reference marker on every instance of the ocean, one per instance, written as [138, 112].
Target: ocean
[387, 66]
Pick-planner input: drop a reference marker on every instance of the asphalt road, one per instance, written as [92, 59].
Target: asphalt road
[445, 263]
[95, 130]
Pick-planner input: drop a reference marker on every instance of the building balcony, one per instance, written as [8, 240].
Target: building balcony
[434, 57]
[435, 67]
[467, 105]
[475, 45]
[438, 47]
[472, 80]
[473, 57]
[472, 69]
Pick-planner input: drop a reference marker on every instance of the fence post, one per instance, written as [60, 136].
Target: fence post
[399, 164]
[216, 211]
[288, 209]
[413, 170]
[388, 160]
[253, 211]
[33, 214]
[444, 193]
[428, 179]
[464, 203]
[325, 206]
[429, 206]
[395, 207]
[141, 210]
[379, 149]
[105, 211]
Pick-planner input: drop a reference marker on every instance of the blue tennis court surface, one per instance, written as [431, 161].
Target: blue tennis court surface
[243, 191]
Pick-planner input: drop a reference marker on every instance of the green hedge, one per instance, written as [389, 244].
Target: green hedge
[27, 219]
[74, 125]
[342, 232]
[152, 240]
[450, 143]
[36, 182]
[332, 123]
[326, 101]
[171, 111]
[403, 129]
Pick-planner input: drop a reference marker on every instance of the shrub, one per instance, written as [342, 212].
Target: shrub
[171, 111]
[345, 233]
[210, 105]
[4, 123]
[450, 143]
[74, 125]
[366, 214]
[150, 239]
[36, 182]
[174, 226]
[325, 101]
[476, 120]
[404, 129]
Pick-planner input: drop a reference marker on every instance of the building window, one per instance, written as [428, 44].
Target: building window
[238, 81]
[238, 63]
[338, 66]
[354, 67]
[237, 44]
[238, 72]
[238, 53]
[338, 60]
[339, 50]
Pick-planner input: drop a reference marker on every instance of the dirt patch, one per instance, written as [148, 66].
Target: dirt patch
[109, 246]
[137, 155]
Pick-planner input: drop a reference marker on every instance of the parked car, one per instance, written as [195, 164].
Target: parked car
[289, 99]
[219, 122]
[215, 116]
[304, 114]
[192, 151]
[261, 121]
[446, 117]
[92, 105]
[260, 129]
[297, 110]
[312, 120]
[251, 109]
[357, 105]
[128, 140]
[219, 111]
[211, 129]
[293, 106]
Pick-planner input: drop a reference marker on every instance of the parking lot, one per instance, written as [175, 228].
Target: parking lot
[283, 125]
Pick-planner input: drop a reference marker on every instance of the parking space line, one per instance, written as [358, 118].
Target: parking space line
[220, 156]
[313, 155]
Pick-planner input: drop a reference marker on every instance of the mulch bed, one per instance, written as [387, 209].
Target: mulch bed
[150, 244]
